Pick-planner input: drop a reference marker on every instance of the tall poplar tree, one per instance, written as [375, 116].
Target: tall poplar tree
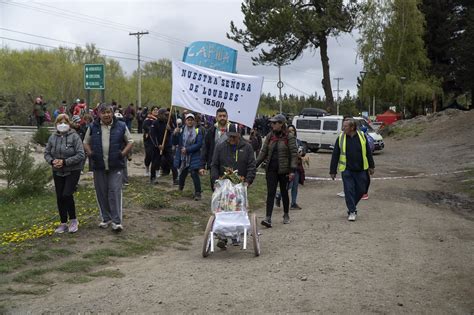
[285, 28]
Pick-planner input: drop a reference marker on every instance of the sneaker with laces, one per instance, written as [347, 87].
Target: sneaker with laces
[222, 243]
[117, 227]
[74, 226]
[61, 228]
[267, 222]
[295, 207]
[365, 197]
[104, 224]
[352, 216]
[341, 194]
[286, 219]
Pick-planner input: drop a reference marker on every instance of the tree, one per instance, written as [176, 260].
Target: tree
[394, 56]
[289, 27]
[464, 51]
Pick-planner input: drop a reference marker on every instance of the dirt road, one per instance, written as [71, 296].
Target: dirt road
[411, 250]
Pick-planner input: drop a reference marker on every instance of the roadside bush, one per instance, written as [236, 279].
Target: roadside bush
[17, 167]
[41, 136]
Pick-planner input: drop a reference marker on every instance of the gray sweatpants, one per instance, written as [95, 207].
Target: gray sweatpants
[108, 191]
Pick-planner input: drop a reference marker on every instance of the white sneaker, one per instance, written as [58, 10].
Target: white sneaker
[147, 171]
[352, 217]
[117, 227]
[341, 194]
[104, 224]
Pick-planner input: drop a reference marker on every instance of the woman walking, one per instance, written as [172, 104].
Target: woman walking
[147, 143]
[279, 153]
[188, 153]
[65, 153]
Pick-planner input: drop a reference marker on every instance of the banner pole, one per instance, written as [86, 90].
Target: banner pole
[166, 131]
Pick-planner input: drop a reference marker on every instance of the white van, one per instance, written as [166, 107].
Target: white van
[321, 132]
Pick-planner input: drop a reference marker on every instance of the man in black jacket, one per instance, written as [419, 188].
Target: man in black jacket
[234, 153]
[353, 158]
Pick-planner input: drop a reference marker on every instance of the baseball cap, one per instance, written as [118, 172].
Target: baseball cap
[233, 130]
[190, 115]
[76, 119]
[278, 118]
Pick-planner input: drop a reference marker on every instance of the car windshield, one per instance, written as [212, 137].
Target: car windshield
[362, 122]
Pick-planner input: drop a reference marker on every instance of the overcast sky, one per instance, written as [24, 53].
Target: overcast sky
[172, 24]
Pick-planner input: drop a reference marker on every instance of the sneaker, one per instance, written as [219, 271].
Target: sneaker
[352, 216]
[341, 194]
[74, 226]
[286, 219]
[278, 201]
[365, 197]
[295, 207]
[117, 227]
[197, 196]
[222, 243]
[104, 224]
[126, 184]
[147, 171]
[267, 222]
[235, 242]
[61, 228]
[153, 181]
[175, 182]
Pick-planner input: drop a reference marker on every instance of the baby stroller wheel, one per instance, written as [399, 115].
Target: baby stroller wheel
[206, 247]
[255, 236]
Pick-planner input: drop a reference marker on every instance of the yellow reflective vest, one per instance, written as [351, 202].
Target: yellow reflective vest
[342, 145]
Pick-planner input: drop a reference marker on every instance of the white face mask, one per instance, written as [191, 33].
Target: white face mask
[63, 127]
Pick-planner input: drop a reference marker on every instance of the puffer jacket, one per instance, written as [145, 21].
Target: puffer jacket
[287, 152]
[67, 147]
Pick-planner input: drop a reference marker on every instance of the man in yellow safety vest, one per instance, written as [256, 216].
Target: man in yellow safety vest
[353, 158]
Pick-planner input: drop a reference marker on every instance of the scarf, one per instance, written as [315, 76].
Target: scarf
[189, 137]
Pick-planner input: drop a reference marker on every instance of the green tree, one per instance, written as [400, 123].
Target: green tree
[288, 28]
[464, 51]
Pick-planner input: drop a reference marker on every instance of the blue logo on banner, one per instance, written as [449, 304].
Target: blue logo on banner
[211, 55]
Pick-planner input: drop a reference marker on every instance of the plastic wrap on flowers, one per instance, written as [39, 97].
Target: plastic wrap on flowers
[228, 197]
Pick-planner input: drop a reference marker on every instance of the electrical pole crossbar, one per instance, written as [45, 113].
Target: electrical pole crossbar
[139, 75]
[337, 91]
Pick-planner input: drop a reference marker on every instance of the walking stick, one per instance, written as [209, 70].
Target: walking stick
[166, 131]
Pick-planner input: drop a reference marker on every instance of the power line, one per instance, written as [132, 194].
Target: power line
[66, 48]
[67, 42]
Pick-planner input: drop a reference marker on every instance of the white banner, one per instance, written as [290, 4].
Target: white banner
[204, 90]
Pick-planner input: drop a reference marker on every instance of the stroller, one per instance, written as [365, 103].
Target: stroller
[230, 219]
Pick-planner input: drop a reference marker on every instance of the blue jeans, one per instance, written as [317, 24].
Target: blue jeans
[128, 122]
[355, 185]
[294, 188]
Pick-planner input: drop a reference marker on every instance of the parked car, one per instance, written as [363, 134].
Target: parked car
[321, 132]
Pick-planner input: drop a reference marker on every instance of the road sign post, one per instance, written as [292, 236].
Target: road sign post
[94, 79]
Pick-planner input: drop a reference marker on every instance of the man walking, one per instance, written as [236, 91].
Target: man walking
[353, 158]
[107, 142]
[216, 135]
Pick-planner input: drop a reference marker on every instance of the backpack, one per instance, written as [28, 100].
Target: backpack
[371, 142]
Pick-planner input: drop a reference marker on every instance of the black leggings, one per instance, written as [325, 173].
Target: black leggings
[148, 153]
[273, 178]
[65, 187]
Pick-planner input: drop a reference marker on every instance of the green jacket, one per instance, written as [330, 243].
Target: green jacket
[287, 152]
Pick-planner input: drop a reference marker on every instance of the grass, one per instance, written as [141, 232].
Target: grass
[406, 131]
[76, 258]
[467, 183]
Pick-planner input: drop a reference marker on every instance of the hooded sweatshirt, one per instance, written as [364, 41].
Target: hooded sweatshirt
[67, 147]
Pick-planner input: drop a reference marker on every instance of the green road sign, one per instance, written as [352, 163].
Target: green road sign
[94, 77]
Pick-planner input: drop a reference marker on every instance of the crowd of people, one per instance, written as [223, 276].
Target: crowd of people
[188, 143]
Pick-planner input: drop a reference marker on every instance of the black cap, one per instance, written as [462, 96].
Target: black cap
[233, 130]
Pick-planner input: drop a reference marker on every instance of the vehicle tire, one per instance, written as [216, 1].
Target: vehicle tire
[255, 236]
[206, 246]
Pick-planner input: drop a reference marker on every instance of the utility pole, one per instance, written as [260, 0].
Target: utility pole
[280, 86]
[139, 74]
[337, 91]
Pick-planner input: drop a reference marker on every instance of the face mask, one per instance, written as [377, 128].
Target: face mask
[63, 127]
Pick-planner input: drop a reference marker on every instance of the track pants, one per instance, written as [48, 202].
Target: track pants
[108, 191]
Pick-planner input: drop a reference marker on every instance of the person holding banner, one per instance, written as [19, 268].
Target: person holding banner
[280, 154]
[216, 135]
[188, 141]
[160, 135]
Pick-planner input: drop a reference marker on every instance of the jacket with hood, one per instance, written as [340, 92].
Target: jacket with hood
[240, 157]
[67, 147]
